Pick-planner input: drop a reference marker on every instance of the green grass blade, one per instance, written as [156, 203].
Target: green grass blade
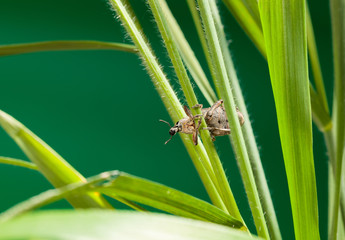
[321, 117]
[252, 6]
[315, 64]
[198, 24]
[50, 164]
[188, 56]
[250, 24]
[126, 188]
[244, 12]
[284, 27]
[220, 178]
[107, 224]
[252, 148]
[23, 48]
[53, 195]
[338, 34]
[167, 199]
[168, 96]
[223, 87]
[18, 162]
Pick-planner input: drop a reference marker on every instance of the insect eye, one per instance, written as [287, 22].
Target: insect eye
[177, 122]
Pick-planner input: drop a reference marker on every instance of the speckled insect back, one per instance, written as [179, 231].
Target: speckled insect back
[215, 118]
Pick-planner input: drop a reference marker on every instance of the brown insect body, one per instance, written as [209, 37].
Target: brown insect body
[215, 118]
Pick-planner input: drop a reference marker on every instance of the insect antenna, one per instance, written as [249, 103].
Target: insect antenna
[170, 127]
[168, 139]
[165, 122]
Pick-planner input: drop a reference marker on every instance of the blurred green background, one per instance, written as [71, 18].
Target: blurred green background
[100, 111]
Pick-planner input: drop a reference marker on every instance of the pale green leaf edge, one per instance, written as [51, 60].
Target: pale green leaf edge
[108, 224]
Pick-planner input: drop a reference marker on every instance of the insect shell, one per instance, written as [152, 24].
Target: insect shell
[215, 118]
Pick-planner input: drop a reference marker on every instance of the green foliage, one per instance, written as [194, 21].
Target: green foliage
[282, 31]
[107, 224]
[62, 46]
[286, 46]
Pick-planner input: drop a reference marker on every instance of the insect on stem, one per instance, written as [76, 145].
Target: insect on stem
[215, 118]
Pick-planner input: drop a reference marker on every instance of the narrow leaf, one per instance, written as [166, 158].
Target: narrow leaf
[188, 56]
[127, 188]
[244, 11]
[315, 64]
[338, 37]
[197, 153]
[53, 195]
[108, 224]
[22, 48]
[18, 162]
[250, 24]
[224, 89]
[166, 199]
[219, 178]
[49, 163]
[252, 148]
[284, 27]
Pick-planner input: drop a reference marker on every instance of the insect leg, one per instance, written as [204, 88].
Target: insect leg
[240, 116]
[198, 116]
[214, 106]
[227, 130]
[196, 129]
[198, 106]
[187, 111]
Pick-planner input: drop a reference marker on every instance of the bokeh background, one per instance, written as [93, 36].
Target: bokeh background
[100, 111]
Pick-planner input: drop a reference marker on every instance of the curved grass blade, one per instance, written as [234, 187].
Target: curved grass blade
[128, 189]
[49, 163]
[284, 30]
[15, 49]
[167, 199]
[53, 195]
[107, 224]
[18, 162]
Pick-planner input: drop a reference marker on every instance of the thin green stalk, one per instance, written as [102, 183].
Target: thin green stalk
[220, 178]
[198, 25]
[338, 32]
[252, 148]
[330, 145]
[315, 64]
[252, 6]
[168, 96]
[188, 56]
[321, 117]
[248, 22]
[223, 86]
[22, 48]
[18, 162]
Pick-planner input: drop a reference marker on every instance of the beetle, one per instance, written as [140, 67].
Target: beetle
[215, 118]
